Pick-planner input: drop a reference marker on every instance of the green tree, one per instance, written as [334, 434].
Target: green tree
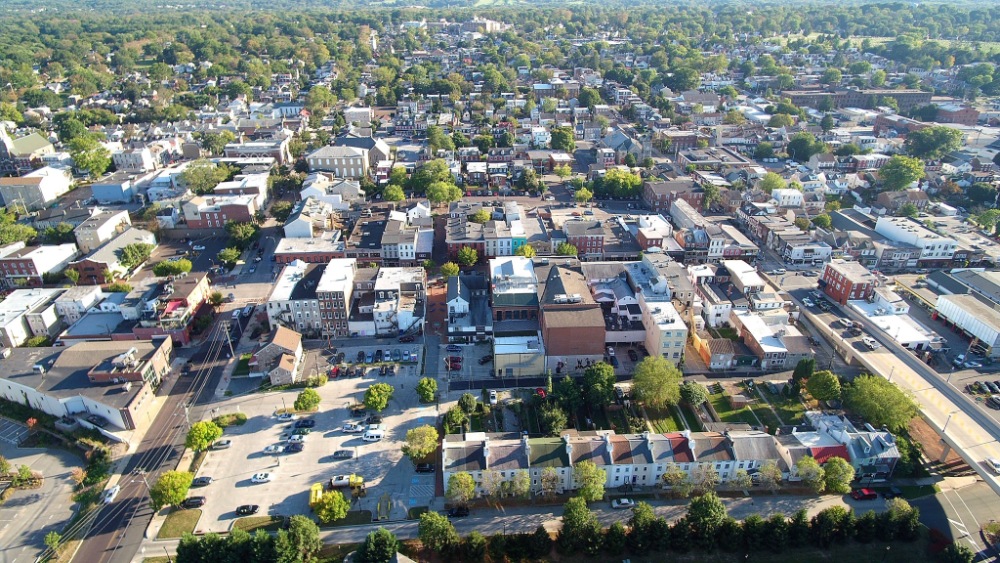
[242, 233]
[467, 402]
[134, 254]
[398, 176]
[712, 195]
[802, 146]
[772, 181]
[832, 525]
[779, 120]
[566, 249]
[957, 553]
[202, 435]
[421, 442]
[599, 384]
[467, 256]
[229, 255]
[525, 250]
[563, 171]
[52, 539]
[656, 382]
[824, 386]
[933, 142]
[583, 195]
[281, 210]
[449, 269]
[705, 514]
[438, 140]
[215, 141]
[589, 480]
[379, 546]
[764, 150]
[880, 402]
[299, 542]
[377, 396]
[454, 420]
[89, 155]
[770, 475]
[172, 268]
[677, 479]
[812, 475]
[827, 123]
[909, 210]
[693, 393]
[431, 173]
[170, 489]
[706, 479]
[563, 139]
[307, 400]
[461, 488]
[838, 475]
[436, 532]
[60, 234]
[331, 506]
[988, 219]
[822, 221]
[481, 216]
[72, 275]
[900, 172]
[581, 529]
[427, 389]
[201, 176]
[553, 420]
[393, 193]
[742, 480]
[568, 394]
[630, 160]
[615, 539]
[443, 192]
[804, 370]
[831, 76]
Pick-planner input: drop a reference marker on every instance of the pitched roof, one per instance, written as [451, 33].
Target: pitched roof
[29, 144]
[468, 457]
[547, 452]
[286, 338]
[710, 446]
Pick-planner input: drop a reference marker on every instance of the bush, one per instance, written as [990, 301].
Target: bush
[307, 400]
[317, 380]
[233, 419]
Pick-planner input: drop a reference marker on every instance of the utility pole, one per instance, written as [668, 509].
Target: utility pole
[229, 340]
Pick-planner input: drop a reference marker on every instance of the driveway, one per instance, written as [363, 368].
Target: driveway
[28, 515]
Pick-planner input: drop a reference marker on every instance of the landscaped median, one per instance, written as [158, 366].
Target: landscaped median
[253, 523]
[353, 518]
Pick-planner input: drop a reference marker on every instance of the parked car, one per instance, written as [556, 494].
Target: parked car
[198, 248]
[453, 359]
[296, 438]
[373, 419]
[343, 454]
[486, 359]
[493, 397]
[287, 417]
[864, 494]
[454, 366]
[959, 359]
[396, 356]
[261, 478]
[352, 428]
[222, 444]
[633, 355]
[406, 338]
[369, 357]
[247, 509]
[614, 362]
[306, 423]
[454, 348]
[424, 468]
[622, 503]
[110, 494]
[275, 449]
[378, 356]
[808, 302]
[972, 365]
[295, 447]
[458, 512]
[892, 492]
[361, 356]
[201, 482]
[193, 502]
[992, 462]
[611, 352]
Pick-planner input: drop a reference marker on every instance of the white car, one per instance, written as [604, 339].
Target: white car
[198, 247]
[352, 428]
[622, 503]
[995, 464]
[110, 494]
[261, 478]
[287, 417]
[297, 439]
[274, 449]
[808, 302]
[871, 343]
[493, 398]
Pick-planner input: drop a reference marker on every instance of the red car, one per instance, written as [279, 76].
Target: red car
[455, 366]
[864, 494]
[334, 371]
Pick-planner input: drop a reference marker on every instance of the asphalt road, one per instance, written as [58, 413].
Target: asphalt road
[960, 513]
[118, 528]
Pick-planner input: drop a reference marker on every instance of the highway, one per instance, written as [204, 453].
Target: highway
[117, 529]
[963, 425]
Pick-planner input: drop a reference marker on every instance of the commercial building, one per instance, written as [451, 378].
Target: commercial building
[99, 228]
[335, 294]
[25, 313]
[974, 315]
[844, 281]
[37, 189]
[22, 266]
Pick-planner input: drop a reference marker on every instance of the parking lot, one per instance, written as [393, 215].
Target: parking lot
[382, 464]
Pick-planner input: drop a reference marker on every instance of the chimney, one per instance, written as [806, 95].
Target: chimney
[526, 446]
[486, 452]
[645, 435]
[569, 449]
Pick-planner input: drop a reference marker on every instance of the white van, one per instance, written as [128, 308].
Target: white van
[373, 435]
[847, 323]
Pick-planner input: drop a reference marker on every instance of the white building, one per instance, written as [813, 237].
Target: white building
[76, 301]
[666, 332]
[101, 227]
[788, 197]
[400, 295]
[135, 161]
[345, 162]
[293, 302]
[338, 193]
[35, 190]
[934, 248]
[976, 316]
[362, 116]
[26, 313]
[309, 218]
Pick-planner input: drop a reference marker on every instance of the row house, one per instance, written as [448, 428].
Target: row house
[776, 344]
[588, 238]
[659, 196]
[101, 227]
[638, 460]
[309, 218]
[273, 148]
[293, 301]
[213, 212]
[170, 308]
[936, 251]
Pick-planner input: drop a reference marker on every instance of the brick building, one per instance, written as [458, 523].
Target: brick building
[843, 281]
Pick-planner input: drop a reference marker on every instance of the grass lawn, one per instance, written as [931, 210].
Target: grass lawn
[243, 367]
[476, 422]
[415, 512]
[789, 410]
[727, 414]
[232, 419]
[692, 419]
[765, 415]
[616, 418]
[196, 461]
[664, 420]
[353, 518]
[728, 332]
[253, 523]
[178, 523]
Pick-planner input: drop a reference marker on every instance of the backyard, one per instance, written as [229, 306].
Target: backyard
[790, 410]
[672, 419]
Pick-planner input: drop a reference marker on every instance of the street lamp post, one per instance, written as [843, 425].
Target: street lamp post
[945, 428]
